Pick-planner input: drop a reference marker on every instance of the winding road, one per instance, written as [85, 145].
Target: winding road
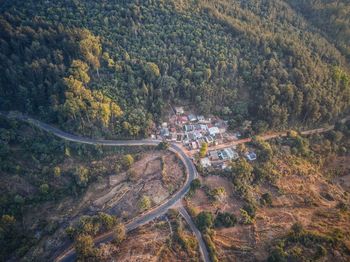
[69, 255]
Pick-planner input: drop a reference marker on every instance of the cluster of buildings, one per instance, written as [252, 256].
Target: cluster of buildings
[192, 130]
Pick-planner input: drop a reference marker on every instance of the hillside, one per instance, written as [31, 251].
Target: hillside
[255, 60]
[245, 107]
[330, 17]
[291, 204]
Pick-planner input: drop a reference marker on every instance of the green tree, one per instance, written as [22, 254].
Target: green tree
[241, 173]
[57, 171]
[204, 221]
[195, 184]
[144, 203]
[225, 220]
[163, 145]
[203, 150]
[266, 199]
[127, 161]
[119, 233]
[107, 221]
[44, 189]
[81, 175]
[84, 247]
[152, 71]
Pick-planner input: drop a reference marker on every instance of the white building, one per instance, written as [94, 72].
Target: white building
[213, 131]
[205, 162]
[231, 154]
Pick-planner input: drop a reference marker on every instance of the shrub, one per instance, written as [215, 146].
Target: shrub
[119, 233]
[144, 203]
[84, 247]
[246, 218]
[211, 248]
[44, 189]
[225, 220]
[81, 175]
[195, 184]
[163, 145]
[204, 221]
[266, 199]
[127, 161]
[250, 208]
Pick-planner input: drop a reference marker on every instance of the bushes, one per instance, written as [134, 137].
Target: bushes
[225, 220]
[266, 199]
[163, 145]
[250, 208]
[144, 203]
[246, 218]
[195, 184]
[301, 245]
[127, 161]
[119, 233]
[216, 194]
[81, 175]
[92, 225]
[84, 247]
[204, 221]
[211, 247]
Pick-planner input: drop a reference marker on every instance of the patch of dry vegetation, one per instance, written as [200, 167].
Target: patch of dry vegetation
[298, 190]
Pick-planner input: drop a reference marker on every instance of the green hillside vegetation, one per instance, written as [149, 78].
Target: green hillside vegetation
[39, 170]
[111, 67]
[331, 17]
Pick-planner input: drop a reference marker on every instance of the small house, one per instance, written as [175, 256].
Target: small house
[188, 128]
[223, 155]
[195, 135]
[200, 118]
[164, 132]
[213, 131]
[251, 156]
[192, 118]
[213, 155]
[205, 162]
[209, 139]
[231, 154]
[194, 145]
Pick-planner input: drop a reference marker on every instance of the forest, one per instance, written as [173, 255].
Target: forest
[111, 67]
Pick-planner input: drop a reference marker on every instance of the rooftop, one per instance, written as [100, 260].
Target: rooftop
[251, 156]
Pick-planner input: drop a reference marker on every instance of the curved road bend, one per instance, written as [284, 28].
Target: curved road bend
[144, 218]
[69, 255]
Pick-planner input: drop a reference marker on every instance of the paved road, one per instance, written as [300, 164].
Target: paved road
[202, 247]
[69, 255]
[146, 217]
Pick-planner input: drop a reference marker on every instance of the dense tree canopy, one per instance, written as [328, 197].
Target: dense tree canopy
[112, 66]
